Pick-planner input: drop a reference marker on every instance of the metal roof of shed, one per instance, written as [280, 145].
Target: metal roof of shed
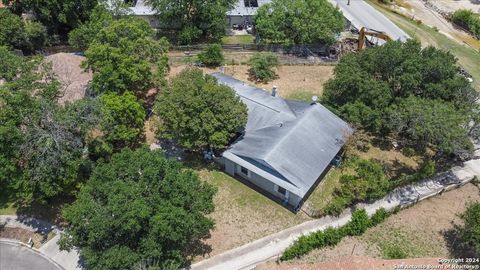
[294, 139]
[241, 10]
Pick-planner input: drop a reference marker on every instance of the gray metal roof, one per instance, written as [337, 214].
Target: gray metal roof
[291, 144]
[241, 10]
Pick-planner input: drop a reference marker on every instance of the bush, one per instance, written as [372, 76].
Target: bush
[36, 35]
[337, 205]
[379, 216]
[470, 232]
[212, 55]
[358, 224]
[188, 34]
[394, 251]
[262, 67]
[468, 20]
[332, 236]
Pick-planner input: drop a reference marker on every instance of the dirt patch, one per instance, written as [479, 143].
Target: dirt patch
[354, 263]
[420, 231]
[22, 235]
[74, 80]
[294, 82]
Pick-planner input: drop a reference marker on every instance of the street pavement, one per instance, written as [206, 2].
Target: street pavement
[17, 257]
[361, 14]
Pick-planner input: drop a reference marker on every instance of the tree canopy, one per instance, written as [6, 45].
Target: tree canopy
[139, 207]
[194, 18]
[262, 66]
[299, 22]
[27, 36]
[429, 102]
[123, 118]
[43, 142]
[122, 54]
[59, 16]
[197, 112]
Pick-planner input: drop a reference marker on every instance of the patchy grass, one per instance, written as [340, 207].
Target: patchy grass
[302, 95]
[238, 39]
[467, 56]
[415, 232]
[323, 193]
[241, 214]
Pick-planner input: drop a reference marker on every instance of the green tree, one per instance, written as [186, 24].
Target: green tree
[194, 18]
[470, 231]
[26, 36]
[123, 119]
[197, 112]
[122, 54]
[262, 66]
[85, 33]
[430, 122]
[212, 55]
[386, 78]
[59, 16]
[299, 22]
[139, 207]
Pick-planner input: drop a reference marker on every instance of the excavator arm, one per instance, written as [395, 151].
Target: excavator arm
[364, 32]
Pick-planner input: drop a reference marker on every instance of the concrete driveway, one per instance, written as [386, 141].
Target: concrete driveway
[16, 257]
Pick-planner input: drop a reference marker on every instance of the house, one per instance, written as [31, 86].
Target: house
[241, 14]
[286, 145]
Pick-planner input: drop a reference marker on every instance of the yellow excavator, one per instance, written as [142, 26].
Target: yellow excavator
[364, 32]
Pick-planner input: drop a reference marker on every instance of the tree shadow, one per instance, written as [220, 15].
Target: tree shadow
[455, 244]
[43, 215]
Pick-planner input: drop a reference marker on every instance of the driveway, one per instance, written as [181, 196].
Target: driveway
[16, 257]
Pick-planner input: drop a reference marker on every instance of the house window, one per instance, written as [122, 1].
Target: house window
[244, 170]
[251, 3]
[282, 191]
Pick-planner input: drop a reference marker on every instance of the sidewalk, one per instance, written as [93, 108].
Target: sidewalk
[247, 256]
[51, 250]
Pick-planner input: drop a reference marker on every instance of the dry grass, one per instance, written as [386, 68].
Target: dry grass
[418, 230]
[294, 82]
[243, 215]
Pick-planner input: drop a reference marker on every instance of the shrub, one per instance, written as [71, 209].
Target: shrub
[379, 216]
[337, 205]
[468, 20]
[470, 232]
[212, 55]
[358, 224]
[393, 251]
[36, 35]
[188, 34]
[262, 67]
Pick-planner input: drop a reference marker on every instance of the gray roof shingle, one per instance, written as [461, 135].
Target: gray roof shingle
[294, 139]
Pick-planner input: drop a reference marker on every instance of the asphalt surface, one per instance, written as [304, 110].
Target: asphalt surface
[361, 14]
[16, 257]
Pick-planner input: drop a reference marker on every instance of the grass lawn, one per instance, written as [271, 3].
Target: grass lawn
[323, 193]
[241, 214]
[468, 57]
[238, 39]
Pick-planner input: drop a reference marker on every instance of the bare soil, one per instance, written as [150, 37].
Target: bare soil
[424, 230]
[293, 81]
[74, 80]
[22, 235]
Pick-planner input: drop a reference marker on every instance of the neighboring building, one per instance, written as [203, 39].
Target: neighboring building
[241, 14]
[286, 146]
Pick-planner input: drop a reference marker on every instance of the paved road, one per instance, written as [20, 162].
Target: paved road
[16, 257]
[361, 14]
[247, 256]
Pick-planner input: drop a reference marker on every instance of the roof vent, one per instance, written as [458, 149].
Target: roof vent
[274, 91]
[314, 100]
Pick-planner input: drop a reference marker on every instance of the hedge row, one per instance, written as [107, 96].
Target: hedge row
[359, 223]
[468, 20]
